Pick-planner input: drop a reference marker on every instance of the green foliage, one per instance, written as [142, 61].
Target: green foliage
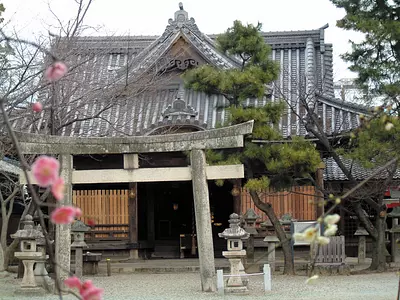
[2, 9]
[219, 182]
[377, 58]
[279, 163]
[237, 84]
[378, 141]
[258, 184]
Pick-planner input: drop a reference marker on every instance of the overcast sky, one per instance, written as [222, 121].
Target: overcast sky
[149, 17]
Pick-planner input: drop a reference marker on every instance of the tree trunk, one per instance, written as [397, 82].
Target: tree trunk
[2, 260]
[379, 247]
[9, 252]
[267, 208]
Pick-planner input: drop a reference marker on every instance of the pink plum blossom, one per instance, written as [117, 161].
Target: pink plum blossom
[55, 71]
[58, 188]
[63, 215]
[45, 170]
[73, 282]
[78, 212]
[37, 107]
[92, 293]
[86, 289]
[89, 292]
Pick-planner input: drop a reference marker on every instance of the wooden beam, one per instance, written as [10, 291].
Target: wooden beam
[150, 174]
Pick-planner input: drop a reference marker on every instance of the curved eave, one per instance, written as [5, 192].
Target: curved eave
[339, 104]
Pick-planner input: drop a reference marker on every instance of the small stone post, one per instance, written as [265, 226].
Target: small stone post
[29, 255]
[78, 230]
[203, 220]
[395, 235]
[362, 234]
[250, 218]
[42, 277]
[234, 235]
[272, 241]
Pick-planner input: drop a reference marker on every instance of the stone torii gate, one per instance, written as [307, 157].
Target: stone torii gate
[198, 172]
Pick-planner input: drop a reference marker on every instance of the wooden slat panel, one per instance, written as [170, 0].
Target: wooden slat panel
[109, 208]
[295, 201]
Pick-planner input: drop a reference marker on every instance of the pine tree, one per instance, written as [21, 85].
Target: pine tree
[377, 58]
[279, 163]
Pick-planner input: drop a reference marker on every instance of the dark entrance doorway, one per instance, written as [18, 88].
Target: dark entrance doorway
[168, 212]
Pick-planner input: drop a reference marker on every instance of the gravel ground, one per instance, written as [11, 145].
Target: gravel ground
[187, 286]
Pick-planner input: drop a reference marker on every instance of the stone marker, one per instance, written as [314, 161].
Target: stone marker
[250, 218]
[272, 241]
[42, 277]
[78, 229]
[362, 234]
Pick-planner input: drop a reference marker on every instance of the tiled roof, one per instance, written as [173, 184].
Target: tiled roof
[303, 56]
[333, 172]
[8, 167]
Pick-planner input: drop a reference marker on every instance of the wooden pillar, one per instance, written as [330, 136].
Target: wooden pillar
[131, 161]
[319, 176]
[150, 216]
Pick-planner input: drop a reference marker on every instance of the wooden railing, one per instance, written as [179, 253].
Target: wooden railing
[298, 201]
[108, 209]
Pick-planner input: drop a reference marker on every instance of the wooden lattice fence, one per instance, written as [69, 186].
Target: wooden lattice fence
[298, 201]
[109, 210]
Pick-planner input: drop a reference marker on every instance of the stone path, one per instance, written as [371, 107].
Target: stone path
[187, 286]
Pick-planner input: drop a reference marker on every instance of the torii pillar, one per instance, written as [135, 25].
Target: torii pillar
[203, 224]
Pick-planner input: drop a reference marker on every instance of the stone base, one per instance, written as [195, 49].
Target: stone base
[34, 291]
[236, 290]
[394, 265]
[330, 270]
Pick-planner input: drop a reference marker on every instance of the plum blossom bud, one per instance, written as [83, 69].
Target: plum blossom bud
[37, 107]
[389, 126]
[55, 71]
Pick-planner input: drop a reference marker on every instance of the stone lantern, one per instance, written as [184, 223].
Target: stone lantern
[250, 218]
[29, 255]
[78, 230]
[234, 236]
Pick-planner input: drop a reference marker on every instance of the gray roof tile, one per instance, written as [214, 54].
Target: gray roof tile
[333, 172]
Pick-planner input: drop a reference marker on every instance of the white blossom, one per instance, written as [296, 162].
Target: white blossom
[312, 279]
[332, 219]
[323, 240]
[331, 230]
[310, 234]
